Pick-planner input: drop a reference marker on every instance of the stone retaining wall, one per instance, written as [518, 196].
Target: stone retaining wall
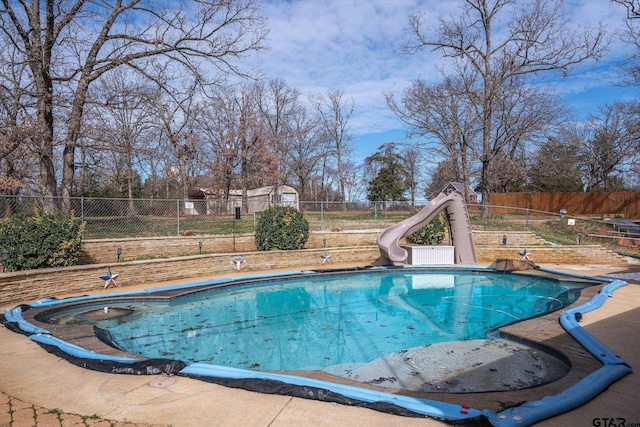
[32, 285]
[585, 254]
[514, 238]
[106, 250]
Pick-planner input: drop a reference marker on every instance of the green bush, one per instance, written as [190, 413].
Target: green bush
[431, 234]
[39, 241]
[281, 227]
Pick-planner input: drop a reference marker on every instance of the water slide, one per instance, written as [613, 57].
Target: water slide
[457, 221]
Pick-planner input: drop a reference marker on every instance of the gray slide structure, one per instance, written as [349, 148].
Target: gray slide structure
[457, 221]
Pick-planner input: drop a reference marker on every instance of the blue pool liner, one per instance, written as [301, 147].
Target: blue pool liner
[419, 406]
[78, 351]
[584, 390]
[614, 367]
[15, 315]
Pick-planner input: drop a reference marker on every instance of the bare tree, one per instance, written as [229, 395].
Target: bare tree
[155, 157]
[241, 156]
[69, 44]
[334, 113]
[523, 115]
[305, 151]
[120, 125]
[633, 7]
[555, 167]
[631, 36]
[446, 171]
[447, 112]
[609, 145]
[352, 181]
[18, 132]
[535, 40]
[178, 111]
[278, 104]
[411, 166]
[16, 127]
[15, 160]
[509, 171]
[219, 126]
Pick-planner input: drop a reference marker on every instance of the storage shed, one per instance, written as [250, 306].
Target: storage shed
[458, 186]
[258, 199]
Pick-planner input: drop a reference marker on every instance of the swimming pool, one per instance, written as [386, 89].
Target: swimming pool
[310, 321]
[316, 322]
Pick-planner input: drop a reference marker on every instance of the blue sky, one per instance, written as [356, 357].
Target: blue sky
[354, 45]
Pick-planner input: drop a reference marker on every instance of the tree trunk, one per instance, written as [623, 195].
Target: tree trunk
[466, 178]
[484, 178]
[48, 184]
[73, 134]
[132, 210]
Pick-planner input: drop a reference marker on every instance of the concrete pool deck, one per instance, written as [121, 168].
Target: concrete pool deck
[29, 376]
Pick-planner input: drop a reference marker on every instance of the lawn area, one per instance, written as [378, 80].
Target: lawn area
[157, 226]
[554, 229]
[112, 227]
[557, 230]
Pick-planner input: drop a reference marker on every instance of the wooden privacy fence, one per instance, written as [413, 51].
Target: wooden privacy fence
[625, 204]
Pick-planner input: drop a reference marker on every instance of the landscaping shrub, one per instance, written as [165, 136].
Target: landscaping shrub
[40, 240]
[431, 234]
[281, 227]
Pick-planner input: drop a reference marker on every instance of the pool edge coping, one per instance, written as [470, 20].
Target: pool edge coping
[614, 367]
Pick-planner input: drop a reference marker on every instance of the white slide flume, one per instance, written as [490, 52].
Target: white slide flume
[457, 221]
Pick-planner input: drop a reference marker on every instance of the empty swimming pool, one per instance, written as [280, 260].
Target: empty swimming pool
[343, 323]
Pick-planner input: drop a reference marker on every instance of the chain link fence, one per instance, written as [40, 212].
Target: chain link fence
[110, 218]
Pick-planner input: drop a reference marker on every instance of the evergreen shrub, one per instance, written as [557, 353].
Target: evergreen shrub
[281, 227]
[431, 234]
[40, 241]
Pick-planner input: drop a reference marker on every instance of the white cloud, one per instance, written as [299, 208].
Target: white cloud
[354, 45]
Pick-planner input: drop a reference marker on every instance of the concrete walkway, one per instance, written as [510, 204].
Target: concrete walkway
[617, 326]
[40, 389]
[29, 374]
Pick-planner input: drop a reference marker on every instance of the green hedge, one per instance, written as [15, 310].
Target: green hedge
[281, 227]
[431, 234]
[40, 241]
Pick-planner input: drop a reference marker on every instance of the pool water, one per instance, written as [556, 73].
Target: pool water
[312, 322]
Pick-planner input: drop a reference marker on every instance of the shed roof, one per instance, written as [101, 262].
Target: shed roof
[256, 192]
[458, 186]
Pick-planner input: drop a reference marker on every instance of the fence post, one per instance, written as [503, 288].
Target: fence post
[82, 209]
[178, 215]
[322, 215]
[386, 208]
